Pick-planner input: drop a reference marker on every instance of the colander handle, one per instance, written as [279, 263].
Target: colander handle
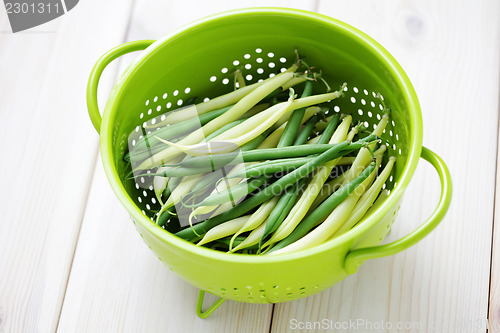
[355, 258]
[204, 314]
[99, 67]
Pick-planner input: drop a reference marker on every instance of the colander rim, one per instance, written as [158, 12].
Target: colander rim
[415, 141]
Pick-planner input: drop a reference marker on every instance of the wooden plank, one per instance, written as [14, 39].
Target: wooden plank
[153, 20]
[118, 285]
[114, 275]
[49, 149]
[450, 51]
[494, 305]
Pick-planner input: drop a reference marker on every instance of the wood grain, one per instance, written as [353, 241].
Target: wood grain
[48, 153]
[450, 51]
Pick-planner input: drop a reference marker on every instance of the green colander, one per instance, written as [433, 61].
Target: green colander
[197, 60]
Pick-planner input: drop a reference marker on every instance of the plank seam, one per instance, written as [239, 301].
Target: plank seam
[492, 247]
[87, 190]
[272, 316]
[316, 6]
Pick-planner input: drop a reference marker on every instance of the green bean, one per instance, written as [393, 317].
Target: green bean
[237, 241]
[321, 126]
[252, 240]
[316, 99]
[222, 101]
[149, 144]
[223, 129]
[292, 126]
[282, 165]
[306, 131]
[223, 230]
[159, 185]
[175, 130]
[163, 218]
[212, 177]
[273, 189]
[323, 210]
[278, 215]
[271, 167]
[329, 130]
[256, 155]
[293, 82]
[234, 193]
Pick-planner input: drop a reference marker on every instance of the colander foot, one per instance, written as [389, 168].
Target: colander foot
[210, 310]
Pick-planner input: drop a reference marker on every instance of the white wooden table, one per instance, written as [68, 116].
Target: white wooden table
[71, 260]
